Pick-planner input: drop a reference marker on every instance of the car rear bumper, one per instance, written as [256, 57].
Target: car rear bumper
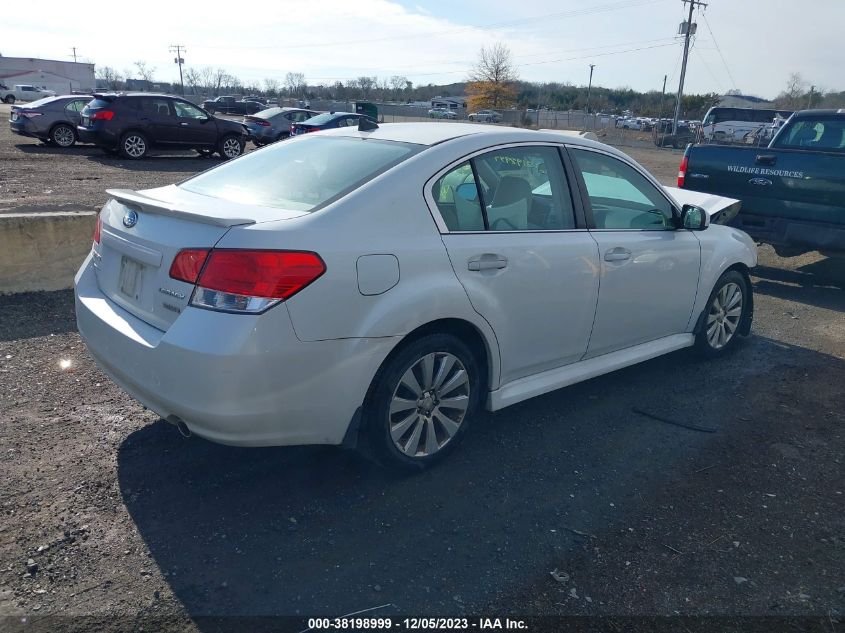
[243, 380]
[806, 236]
[22, 127]
[100, 138]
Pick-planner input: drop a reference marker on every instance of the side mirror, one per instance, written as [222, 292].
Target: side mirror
[694, 218]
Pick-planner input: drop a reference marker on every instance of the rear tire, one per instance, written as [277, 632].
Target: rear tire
[63, 135]
[724, 315]
[133, 145]
[9, 99]
[421, 402]
[230, 147]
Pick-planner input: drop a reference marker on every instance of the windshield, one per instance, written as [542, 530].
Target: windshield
[301, 175]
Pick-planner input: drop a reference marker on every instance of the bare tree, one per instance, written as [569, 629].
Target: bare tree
[793, 95]
[295, 84]
[397, 83]
[491, 80]
[193, 78]
[365, 85]
[145, 72]
[110, 76]
[219, 78]
[271, 87]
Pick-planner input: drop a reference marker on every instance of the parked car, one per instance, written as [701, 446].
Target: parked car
[52, 119]
[485, 116]
[663, 137]
[232, 105]
[442, 113]
[274, 124]
[262, 303]
[793, 191]
[327, 121]
[23, 92]
[134, 123]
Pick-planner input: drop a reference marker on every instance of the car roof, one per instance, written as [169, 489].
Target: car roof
[435, 133]
[825, 113]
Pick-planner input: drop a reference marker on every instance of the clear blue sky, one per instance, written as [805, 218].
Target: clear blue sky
[632, 42]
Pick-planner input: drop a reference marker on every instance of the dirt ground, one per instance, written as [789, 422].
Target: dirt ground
[110, 520]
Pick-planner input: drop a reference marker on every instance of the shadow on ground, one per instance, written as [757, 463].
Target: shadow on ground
[821, 283]
[314, 530]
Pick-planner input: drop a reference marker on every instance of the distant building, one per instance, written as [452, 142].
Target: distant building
[744, 101]
[62, 77]
[450, 103]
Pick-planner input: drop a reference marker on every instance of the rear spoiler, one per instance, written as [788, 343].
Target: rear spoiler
[130, 198]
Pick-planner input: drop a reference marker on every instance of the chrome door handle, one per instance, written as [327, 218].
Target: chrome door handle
[488, 261]
[617, 254]
[184, 123]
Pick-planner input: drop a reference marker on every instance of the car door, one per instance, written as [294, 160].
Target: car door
[73, 109]
[518, 244]
[649, 268]
[196, 128]
[159, 120]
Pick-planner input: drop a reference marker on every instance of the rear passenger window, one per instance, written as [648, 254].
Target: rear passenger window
[155, 107]
[456, 196]
[518, 189]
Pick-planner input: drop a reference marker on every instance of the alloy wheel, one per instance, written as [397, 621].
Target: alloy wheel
[231, 148]
[134, 146]
[63, 136]
[724, 315]
[429, 404]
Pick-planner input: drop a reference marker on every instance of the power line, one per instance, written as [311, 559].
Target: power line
[713, 37]
[613, 6]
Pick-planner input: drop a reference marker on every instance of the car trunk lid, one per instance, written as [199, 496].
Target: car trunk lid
[143, 231]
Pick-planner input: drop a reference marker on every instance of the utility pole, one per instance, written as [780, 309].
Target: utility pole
[687, 34]
[73, 48]
[179, 49]
[810, 98]
[589, 89]
[660, 127]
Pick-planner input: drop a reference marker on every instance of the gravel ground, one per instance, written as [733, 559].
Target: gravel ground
[112, 521]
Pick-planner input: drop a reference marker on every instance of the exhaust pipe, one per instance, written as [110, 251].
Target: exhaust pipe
[180, 424]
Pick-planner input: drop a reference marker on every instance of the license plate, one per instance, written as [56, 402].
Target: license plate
[131, 275]
[14, 116]
[85, 120]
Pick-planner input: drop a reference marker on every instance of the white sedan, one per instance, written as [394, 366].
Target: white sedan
[380, 286]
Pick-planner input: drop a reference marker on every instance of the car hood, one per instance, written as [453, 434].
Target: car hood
[720, 209]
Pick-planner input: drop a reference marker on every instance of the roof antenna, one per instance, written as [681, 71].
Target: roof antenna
[366, 124]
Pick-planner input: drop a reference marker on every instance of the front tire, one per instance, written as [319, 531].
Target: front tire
[723, 318]
[422, 401]
[63, 135]
[231, 147]
[133, 145]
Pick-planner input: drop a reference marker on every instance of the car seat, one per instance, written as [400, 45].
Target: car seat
[510, 205]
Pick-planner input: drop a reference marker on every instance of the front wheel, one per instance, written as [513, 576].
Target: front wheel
[231, 147]
[422, 401]
[724, 315]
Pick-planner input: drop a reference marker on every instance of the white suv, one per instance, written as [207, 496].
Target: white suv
[379, 286]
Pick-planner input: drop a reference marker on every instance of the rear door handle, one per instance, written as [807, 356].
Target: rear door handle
[767, 159]
[617, 254]
[487, 261]
[184, 123]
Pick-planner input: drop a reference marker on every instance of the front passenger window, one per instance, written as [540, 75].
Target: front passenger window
[621, 198]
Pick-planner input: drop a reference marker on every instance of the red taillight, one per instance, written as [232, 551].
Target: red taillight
[682, 171]
[187, 264]
[29, 115]
[262, 122]
[98, 226]
[102, 115]
[265, 274]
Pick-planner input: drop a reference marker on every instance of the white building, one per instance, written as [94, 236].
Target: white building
[62, 77]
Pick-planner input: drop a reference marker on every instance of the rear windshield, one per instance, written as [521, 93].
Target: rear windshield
[321, 119]
[301, 175]
[42, 102]
[96, 104]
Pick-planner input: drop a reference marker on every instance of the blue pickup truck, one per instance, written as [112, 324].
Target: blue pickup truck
[792, 191]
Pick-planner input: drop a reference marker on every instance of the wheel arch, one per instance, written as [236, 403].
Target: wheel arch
[745, 325]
